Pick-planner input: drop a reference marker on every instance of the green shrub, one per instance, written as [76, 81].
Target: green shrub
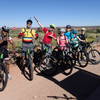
[14, 33]
[98, 30]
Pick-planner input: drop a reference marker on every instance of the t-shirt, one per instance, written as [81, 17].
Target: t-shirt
[82, 36]
[27, 35]
[69, 35]
[48, 36]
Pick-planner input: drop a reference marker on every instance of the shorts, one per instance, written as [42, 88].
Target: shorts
[47, 47]
[26, 46]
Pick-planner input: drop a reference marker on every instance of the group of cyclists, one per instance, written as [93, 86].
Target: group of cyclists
[28, 35]
[66, 38]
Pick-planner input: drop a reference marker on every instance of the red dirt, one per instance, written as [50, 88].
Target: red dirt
[80, 84]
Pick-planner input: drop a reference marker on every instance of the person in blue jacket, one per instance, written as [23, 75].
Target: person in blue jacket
[71, 35]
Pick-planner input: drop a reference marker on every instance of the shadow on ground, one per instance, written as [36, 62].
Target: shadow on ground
[81, 84]
[25, 72]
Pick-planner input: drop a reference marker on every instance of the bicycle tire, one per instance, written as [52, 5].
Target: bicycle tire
[68, 67]
[73, 58]
[28, 69]
[50, 68]
[5, 74]
[92, 57]
[82, 54]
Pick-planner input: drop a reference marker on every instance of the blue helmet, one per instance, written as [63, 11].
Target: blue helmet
[68, 27]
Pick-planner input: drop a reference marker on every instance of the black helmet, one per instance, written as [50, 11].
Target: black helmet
[5, 29]
[29, 21]
[68, 27]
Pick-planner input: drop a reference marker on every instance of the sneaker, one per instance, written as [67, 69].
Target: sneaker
[9, 76]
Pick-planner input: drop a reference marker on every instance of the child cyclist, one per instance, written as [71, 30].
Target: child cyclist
[28, 36]
[62, 40]
[72, 36]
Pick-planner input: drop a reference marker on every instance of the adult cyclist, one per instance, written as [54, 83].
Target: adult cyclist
[4, 40]
[49, 34]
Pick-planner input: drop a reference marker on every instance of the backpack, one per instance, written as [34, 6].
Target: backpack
[30, 31]
[31, 34]
[63, 39]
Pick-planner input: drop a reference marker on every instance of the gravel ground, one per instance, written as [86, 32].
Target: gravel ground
[82, 84]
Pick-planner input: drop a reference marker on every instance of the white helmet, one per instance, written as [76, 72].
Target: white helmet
[62, 30]
[83, 29]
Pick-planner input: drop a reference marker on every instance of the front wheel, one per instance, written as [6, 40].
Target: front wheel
[94, 56]
[28, 69]
[3, 77]
[47, 66]
[73, 57]
[82, 58]
[68, 65]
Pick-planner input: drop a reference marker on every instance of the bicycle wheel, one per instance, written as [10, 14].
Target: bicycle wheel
[68, 65]
[28, 69]
[73, 57]
[3, 77]
[94, 56]
[48, 65]
[13, 60]
[82, 58]
[37, 68]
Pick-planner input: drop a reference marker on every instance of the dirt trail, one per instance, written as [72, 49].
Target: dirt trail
[80, 85]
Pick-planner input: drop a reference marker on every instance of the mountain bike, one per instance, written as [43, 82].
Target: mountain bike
[78, 54]
[63, 60]
[3, 72]
[82, 56]
[27, 62]
[44, 63]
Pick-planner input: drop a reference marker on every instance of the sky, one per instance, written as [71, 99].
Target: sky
[14, 13]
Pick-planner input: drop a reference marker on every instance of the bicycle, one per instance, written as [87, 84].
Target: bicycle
[63, 60]
[3, 72]
[73, 52]
[44, 63]
[78, 54]
[82, 56]
[26, 63]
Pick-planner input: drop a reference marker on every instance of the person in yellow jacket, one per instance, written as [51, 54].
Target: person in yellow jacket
[28, 36]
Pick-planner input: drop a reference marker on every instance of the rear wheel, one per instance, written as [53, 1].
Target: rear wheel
[94, 56]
